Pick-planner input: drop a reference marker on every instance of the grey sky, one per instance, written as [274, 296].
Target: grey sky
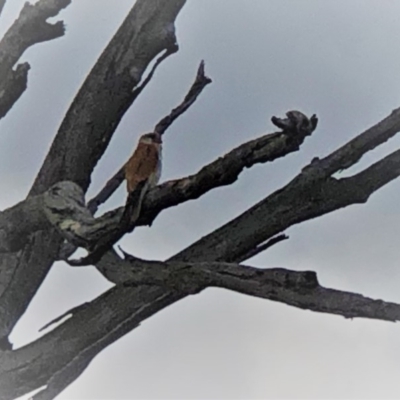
[335, 58]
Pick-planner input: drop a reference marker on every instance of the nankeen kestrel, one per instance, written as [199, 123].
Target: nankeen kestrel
[142, 172]
[144, 167]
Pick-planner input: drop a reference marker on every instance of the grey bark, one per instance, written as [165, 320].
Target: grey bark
[152, 287]
[32, 232]
[30, 28]
[83, 137]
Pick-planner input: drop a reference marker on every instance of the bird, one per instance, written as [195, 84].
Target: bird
[143, 171]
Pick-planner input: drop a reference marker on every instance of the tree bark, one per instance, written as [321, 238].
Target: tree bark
[33, 232]
[30, 28]
[83, 137]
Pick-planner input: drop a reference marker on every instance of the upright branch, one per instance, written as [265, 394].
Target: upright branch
[30, 28]
[107, 93]
[118, 231]
[113, 183]
[199, 84]
[84, 134]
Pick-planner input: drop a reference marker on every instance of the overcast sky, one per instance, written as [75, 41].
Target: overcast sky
[339, 59]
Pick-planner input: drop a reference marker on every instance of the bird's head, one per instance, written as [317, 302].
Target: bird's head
[151, 138]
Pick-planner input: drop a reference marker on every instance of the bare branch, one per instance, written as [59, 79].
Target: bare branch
[199, 84]
[304, 197]
[310, 194]
[125, 306]
[112, 184]
[107, 240]
[108, 92]
[293, 197]
[107, 230]
[58, 382]
[110, 187]
[79, 339]
[147, 31]
[30, 28]
[21, 274]
[62, 316]
[351, 152]
[86, 231]
[375, 176]
[19, 221]
[262, 247]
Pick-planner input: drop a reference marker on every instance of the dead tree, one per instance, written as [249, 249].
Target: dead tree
[54, 219]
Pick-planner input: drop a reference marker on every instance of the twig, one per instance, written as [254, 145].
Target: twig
[71, 312]
[110, 187]
[262, 247]
[199, 84]
[113, 183]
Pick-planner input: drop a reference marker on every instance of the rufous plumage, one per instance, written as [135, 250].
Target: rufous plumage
[142, 172]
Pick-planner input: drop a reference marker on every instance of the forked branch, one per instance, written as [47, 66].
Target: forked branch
[148, 32]
[113, 183]
[223, 171]
[30, 28]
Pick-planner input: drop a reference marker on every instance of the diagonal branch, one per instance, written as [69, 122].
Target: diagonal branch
[30, 28]
[75, 223]
[310, 194]
[84, 134]
[153, 287]
[106, 94]
[221, 172]
[199, 84]
[290, 205]
[67, 200]
[351, 152]
[113, 183]
[262, 247]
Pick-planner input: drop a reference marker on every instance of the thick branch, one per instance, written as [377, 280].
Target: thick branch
[30, 28]
[310, 194]
[67, 200]
[19, 221]
[122, 308]
[223, 171]
[351, 152]
[83, 137]
[262, 247]
[303, 193]
[226, 169]
[79, 339]
[305, 197]
[80, 229]
[107, 93]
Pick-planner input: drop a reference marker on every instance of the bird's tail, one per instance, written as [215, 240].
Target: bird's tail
[133, 205]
